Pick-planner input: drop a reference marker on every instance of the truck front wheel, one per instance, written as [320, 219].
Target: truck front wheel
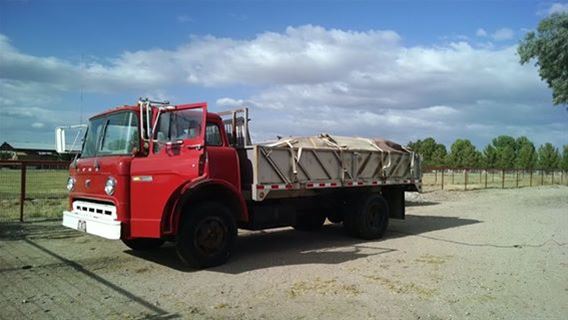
[370, 218]
[206, 236]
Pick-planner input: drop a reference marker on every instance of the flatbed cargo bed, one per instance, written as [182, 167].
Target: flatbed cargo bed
[296, 165]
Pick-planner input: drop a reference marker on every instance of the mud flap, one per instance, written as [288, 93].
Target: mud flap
[395, 198]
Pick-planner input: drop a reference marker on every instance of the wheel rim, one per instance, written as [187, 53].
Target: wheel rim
[210, 236]
[374, 216]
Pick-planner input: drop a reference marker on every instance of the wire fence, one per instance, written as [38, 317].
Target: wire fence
[36, 189]
[32, 189]
[471, 179]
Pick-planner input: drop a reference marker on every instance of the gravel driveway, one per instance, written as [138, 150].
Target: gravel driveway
[487, 254]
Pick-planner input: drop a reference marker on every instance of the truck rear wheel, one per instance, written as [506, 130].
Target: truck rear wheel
[370, 218]
[206, 236]
[309, 221]
[142, 244]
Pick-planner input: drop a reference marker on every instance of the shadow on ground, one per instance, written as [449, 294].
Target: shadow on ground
[43, 229]
[284, 247]
[420, 203]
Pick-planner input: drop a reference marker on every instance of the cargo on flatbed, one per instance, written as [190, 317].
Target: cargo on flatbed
[327, 161]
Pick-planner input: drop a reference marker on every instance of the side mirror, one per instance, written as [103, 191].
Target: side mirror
[60, 140]
[76, 134]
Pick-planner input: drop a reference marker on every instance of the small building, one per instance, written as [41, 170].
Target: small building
[17, 151]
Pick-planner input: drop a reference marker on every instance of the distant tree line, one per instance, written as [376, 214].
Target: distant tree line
[504, 152]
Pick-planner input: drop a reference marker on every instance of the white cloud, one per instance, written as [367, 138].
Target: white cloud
[499, 34]
[235, 103]
[555, 8]
[481, 32]
[503, 34]
[309, 79]
[184, 18]
[130, 70]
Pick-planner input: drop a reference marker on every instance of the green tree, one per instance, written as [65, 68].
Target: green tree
[414, 145]
[489, 157]
[433, 153]
[439, 155]
[463, 154]
[548, 45]
[548, 157]
[526, 154]
[564, 162]
[505, 148]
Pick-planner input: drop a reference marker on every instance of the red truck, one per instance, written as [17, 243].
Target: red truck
[156, 172]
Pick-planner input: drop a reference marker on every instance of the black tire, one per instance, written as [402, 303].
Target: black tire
[309, 221]
[369, 218]
[143, 244]
[206, 236]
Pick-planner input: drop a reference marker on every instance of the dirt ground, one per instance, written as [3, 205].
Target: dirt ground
[485, 254]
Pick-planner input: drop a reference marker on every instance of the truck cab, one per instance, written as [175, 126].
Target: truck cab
[140, 168]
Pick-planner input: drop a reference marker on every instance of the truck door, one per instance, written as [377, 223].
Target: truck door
[174, 154]
[222, 160]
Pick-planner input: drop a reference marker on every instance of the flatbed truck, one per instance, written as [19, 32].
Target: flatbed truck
[155, 172]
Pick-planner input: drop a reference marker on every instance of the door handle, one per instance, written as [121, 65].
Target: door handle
[195, 146]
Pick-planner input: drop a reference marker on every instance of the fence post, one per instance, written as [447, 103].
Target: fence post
[485, 178]
[465, 178]
[517, 171]
[541, 177]
[435, 177]
[502, 178]
[22, 189]
[452, 176]
[552, 177]
[442, 179]
[530, 179]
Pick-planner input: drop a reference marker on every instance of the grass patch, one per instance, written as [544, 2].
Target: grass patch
[46, 196]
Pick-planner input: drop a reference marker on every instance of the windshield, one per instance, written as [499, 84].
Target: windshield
[113, 134]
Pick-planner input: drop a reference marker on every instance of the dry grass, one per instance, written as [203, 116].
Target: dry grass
[323, 287]
[399, 287]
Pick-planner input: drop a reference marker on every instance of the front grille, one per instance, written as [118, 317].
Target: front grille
[95, 209]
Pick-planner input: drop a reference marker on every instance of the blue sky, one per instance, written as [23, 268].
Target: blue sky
[397, 69]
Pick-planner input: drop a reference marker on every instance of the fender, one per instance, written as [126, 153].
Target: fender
[180, 197]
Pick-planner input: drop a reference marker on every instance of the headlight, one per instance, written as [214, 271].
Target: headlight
[70, 184]
[109, 186]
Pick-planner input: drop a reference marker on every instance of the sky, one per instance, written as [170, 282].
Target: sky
[400, 70]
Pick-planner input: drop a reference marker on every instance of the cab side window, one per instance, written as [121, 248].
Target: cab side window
[177, 125]
[213, 135]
